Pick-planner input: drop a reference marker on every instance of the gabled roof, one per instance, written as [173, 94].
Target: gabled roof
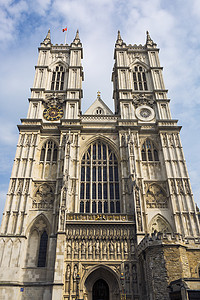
[98, 107]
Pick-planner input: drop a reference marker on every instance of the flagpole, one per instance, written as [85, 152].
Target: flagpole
[65, 37]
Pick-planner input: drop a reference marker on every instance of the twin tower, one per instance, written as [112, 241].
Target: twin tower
[99, 205]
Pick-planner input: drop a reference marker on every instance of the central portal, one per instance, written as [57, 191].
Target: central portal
[100, 290]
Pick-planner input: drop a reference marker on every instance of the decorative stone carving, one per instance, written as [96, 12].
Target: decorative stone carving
[143, 100]
[155, 197]
[69, 247]
[118, 248]
[75, 272]
[180, 186]
[54, 99]
[12, 187]
[68, 273]
[20, 186]
[125, 247]
[83, 247]
[90, 248]
[44, 197]
[160, 224]
[111, 247]
[76, 247]
[187, 187]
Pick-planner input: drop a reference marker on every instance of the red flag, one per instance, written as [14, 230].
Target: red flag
[65, 29]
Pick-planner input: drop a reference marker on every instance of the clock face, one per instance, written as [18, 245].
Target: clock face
[53, 113]
[145, 112]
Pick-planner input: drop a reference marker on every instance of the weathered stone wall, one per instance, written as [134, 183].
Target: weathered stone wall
[166, 258]
[156, 277]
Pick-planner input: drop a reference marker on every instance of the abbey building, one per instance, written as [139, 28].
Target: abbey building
[99, 205]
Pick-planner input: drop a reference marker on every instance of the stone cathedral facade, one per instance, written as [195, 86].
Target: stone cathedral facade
[99, 205]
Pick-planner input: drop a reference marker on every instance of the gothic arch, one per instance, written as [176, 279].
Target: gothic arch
[159, 224]
[32, 225]
[149, 150]
[99, 187]
[43, 142]
[138, 62]
[103, 139]
[57, 62]
[36, 230]
[108, 275]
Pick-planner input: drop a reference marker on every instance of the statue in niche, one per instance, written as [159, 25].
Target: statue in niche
[75, 272]
[76, 247]
[68, 272]
[118, 248]
[111, 246]
[90, 247]
[104, 248]
[132, 247]
[125, 247]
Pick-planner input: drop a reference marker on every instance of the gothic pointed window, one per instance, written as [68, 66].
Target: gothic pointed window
[149, 151]
[42, 250]
[99, 185]
[58, 76]
[139, 79]
[49, 152]
[48, 158]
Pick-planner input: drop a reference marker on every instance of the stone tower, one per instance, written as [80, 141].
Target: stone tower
[99, 205]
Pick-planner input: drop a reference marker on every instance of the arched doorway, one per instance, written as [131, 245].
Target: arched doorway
[101, 283]
[100, 290]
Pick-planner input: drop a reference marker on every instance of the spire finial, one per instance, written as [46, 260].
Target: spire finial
[119, 35]
[149, 41]
[119, 39]
[98, 94]
[77, 39]
[48, 37]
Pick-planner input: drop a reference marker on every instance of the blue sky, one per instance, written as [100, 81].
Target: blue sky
[174, 25]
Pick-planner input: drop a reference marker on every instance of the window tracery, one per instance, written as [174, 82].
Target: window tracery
[156, 197]
[58, 76]
[49, 152]
[139, 79]
[149, 151]
[99, 186]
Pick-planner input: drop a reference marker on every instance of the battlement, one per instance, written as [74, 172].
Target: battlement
[159, 238]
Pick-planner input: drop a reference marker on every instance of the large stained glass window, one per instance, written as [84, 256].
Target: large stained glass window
[99, 185]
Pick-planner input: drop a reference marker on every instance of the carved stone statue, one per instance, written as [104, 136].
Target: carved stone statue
[90, 247]
[104, 248]
[68, 272]
[111, 246]
[75, 272]
[125, 247]
[118, 248]
[97, 247]
[76, 247]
